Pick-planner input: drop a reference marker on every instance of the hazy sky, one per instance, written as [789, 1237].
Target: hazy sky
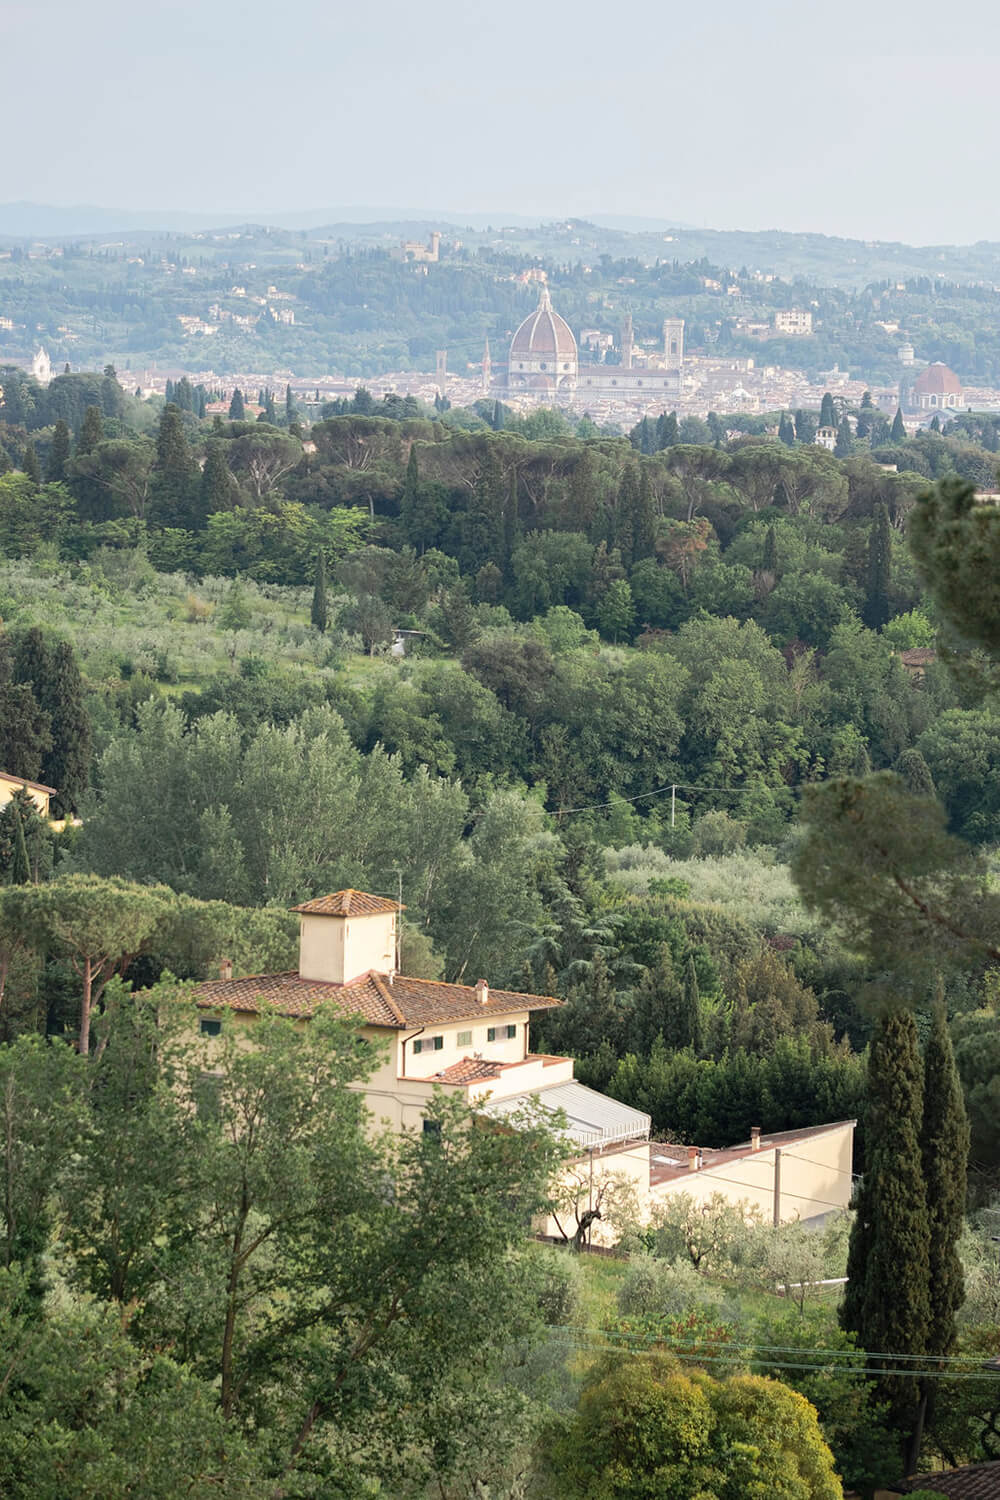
[875, 120]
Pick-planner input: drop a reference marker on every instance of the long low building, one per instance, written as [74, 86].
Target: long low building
[474, 1040]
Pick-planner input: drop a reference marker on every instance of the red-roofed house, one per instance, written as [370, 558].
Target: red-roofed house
[475, 1039]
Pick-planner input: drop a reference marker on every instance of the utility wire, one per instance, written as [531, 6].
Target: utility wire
[660, 791]
[713, 1339]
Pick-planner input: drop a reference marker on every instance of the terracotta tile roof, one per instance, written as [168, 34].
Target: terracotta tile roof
[400, 1004]
[36, 786]
[469, 1070]
[668, 1161]
[349, 903]
[918, 656]
[938, 380]
[974, 1482]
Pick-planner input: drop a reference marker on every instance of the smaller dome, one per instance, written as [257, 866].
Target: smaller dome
[543, 335]
[937, 380]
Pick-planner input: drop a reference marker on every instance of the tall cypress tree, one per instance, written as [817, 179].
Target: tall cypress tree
[55, 469]
[54, 678]
[898, 430]
[176, 482]
[644, 522]
[887, 1299]
[216, 481]
[786, 430]
[91, 430]
[667, 430]
[237, 407]
[30, 464]
[290, 411]
[844, 440]
[827, 411]
[945, 1158]
[916, 773]
[692, 1004]
[770, 560]
[20, 870]
[320, 608]
[876, 611]
[628, 505]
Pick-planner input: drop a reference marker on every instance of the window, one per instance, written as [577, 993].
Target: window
[501, 1033]
[428, 1044]
[432, 1127]
[464, 1039]
[210, 1028]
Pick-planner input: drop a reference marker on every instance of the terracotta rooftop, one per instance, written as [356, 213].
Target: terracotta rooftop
[399, 1004]
[36, 786]
[938, 380]
[349, 903]
[543, 332]
[469, 1070]
[668, 1161]
[918, 656]
[973, 1482]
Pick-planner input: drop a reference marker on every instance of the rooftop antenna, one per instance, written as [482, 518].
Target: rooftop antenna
[399, 917]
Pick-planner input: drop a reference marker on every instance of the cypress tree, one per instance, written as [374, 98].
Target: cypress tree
[511, 524]
[176, 482]
[827, 411]
[898, 430]
[268, 413]
[216, 480]
[237, 409]
[628, 505]
[667, 430]
[876, 611]
[55, 469]
[54, 678]
[30, 464]
[320, 609]
[644, 522]
[20, 870]
[945, 1161]
[169, 392]
[844, 440]
[770, 560]
[786, 430]
[935, 425]
[290, 412]
[91, 430]
[916, 773]
[497, 421]
[692, 1005]
[887, 1298]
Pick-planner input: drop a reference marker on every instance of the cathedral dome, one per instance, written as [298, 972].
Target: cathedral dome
[543, 335]
[937, 380]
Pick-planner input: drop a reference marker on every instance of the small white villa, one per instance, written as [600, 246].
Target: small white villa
[476, 1040]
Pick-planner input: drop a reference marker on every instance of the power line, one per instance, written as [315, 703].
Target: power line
[742, 1356]
[783, 1349]
[660, 791]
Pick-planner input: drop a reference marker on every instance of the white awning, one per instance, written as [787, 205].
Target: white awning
[592, 1119]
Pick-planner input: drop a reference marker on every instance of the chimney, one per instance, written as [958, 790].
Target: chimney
[482, 991]
[692, 1158]
[754, 1137]
[225, 968]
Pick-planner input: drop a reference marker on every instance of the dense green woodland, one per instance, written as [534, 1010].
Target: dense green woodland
[648, 681]
[360, 312]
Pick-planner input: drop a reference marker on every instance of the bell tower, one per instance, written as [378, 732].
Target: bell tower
[673, 343]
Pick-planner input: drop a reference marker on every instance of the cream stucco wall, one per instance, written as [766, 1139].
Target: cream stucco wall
[815, 1177]
[339, 949]
[429, 1060]
[10, 784]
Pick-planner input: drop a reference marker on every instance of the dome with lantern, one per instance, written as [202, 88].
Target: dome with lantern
[543, 353]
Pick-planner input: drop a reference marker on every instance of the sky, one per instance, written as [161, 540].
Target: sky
[870, 121]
